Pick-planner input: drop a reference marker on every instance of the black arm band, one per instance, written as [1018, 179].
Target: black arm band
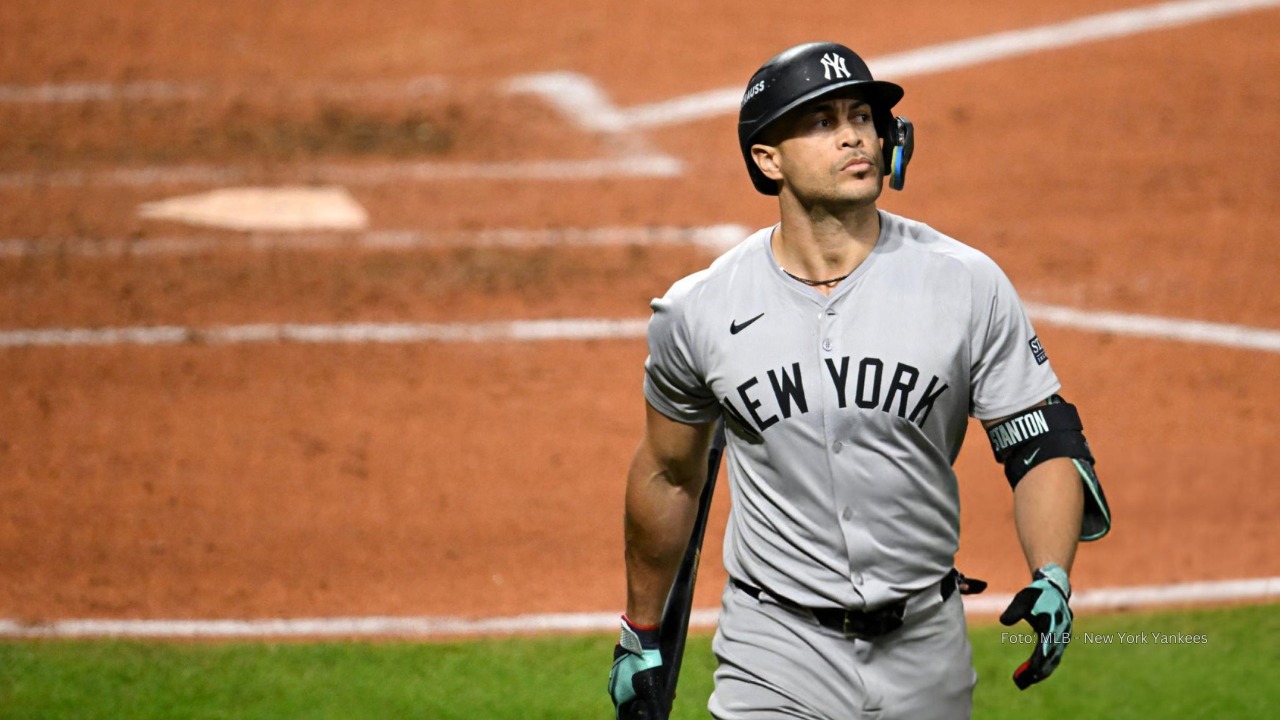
[1029, 438]
[1051, 431]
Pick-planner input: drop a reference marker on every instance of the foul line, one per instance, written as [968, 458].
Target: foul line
[429, 627]
[1191, 331]
[716, 238]
[967, 53]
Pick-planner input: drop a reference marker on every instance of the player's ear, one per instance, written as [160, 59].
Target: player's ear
[768, 160]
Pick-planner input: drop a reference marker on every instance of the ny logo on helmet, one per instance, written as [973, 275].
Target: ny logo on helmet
[832, 62]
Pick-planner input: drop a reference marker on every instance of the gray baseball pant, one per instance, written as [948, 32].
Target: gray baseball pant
[777, 662]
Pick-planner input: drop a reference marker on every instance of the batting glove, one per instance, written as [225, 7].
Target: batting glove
[635, 682]
[1043, 604]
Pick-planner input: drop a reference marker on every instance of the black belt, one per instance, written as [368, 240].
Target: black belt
[866, 624]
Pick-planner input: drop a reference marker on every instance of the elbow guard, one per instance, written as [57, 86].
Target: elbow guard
[1050, 431]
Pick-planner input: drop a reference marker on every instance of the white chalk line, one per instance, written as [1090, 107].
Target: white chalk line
[586, 105]
[389, 333]
[968, 53]
[1128, 598]
[1192, 331]
[636, 166]
[577, 329]
[81, 92]
[715, 238]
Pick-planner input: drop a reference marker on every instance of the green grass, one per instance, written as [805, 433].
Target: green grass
[1232, 676]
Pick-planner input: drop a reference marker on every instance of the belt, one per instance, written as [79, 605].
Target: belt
[866, 624]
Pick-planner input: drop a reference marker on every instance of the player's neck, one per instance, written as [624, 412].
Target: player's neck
[815, 244]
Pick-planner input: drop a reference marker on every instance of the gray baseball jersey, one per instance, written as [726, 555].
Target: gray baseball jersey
[845, 412]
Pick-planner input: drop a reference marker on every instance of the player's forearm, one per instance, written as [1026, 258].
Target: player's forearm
[1047, 508]
[660, 509]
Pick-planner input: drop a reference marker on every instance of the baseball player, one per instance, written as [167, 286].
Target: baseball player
[845, 348]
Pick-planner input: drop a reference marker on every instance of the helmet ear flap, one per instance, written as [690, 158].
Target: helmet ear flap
[887, 129]
[898, 143]
[883, 120]
[904, 148]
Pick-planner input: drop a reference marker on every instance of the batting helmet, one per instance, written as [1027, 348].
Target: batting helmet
[808, 72]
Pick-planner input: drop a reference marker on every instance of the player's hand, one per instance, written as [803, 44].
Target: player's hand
[635, 682]
[1043, 604]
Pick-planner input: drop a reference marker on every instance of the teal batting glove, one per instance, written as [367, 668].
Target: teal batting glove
[1043, 604]
[635, 682]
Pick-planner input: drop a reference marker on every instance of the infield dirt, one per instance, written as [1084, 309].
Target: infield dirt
[1132, 175]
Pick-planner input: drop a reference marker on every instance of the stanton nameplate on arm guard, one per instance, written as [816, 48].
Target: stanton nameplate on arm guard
[1022, 441]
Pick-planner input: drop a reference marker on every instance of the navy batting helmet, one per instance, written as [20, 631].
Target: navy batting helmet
[808, 72]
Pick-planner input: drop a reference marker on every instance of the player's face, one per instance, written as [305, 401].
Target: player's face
[829, 152]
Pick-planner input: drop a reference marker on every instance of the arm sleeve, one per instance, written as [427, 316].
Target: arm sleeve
[673, 384]
[1011, 371]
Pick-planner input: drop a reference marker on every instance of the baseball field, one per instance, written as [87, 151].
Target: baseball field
[321, 335]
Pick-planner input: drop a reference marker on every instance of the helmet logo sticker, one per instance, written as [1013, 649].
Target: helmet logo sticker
[755, 90]
[833, 63]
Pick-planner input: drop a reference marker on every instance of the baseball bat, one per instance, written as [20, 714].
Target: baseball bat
[675, 614]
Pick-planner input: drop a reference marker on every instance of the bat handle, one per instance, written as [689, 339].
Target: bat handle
[648, 702]
[675, 614]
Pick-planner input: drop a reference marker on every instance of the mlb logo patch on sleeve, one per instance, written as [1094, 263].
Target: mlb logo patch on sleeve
[1038, 350]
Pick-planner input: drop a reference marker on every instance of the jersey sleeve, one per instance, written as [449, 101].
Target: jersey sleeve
[673, 385]
[1011, 371]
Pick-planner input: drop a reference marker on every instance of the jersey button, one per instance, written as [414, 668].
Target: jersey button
[826, 344]
[857, 578]
[847, 515]
[837, 446]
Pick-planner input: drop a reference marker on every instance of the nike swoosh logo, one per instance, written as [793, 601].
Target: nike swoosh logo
[735, 328]
[1031, 457]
